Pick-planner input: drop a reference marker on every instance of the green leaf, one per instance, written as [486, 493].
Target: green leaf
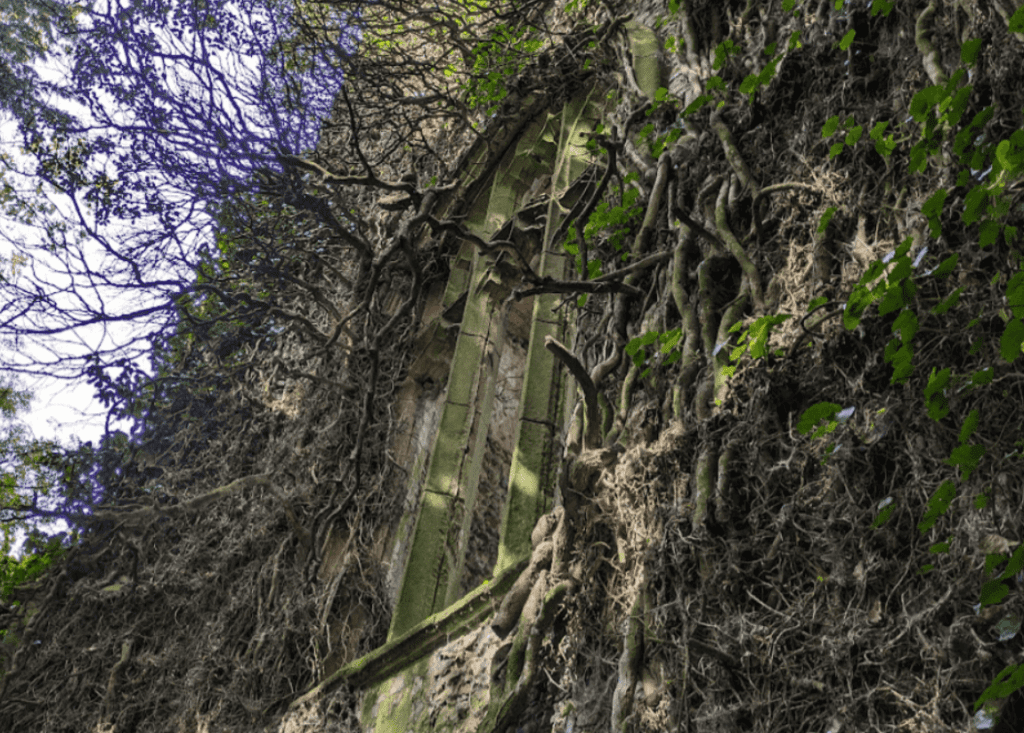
[858, 302]
[951, 300]
[938, 504]
[1016, 22]
[1016, 563]
[969, 426]
[1007, 157]
[878, 131]
[938, 405]
[902, 361]
[761, 330]
[696, 104]
[932, 209]
[921, 104]
[830, 126]
[969, 51]
[826, 218]
[1011, 339]
[881, 6]
[907, 324]
[1008, 681]
[957, 105]
[1015, 295]
[669, 339]
[815, 414]
[966, 136]
[947, 266]
[983, 377]
[993, 592]
[919, 157]
[749, 84]
[723, 51]
[847, 40]
[892, 301]
[884, 515]
[988, 233]
[975, 199]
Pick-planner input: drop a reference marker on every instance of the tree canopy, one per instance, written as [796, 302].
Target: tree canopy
[173, 114]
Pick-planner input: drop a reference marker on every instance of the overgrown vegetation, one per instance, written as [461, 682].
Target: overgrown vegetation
[830, 190]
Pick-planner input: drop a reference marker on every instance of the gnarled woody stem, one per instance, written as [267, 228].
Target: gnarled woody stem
[592, 439]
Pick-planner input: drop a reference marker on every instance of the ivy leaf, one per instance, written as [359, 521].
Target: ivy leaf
[815, 414]
[1011, 339]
